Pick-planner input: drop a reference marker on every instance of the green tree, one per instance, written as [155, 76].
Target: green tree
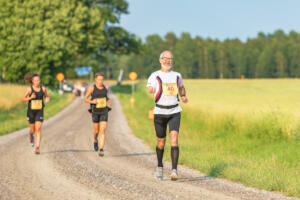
[50, 36]
[170, 41]
[185, 57]
[45, 36]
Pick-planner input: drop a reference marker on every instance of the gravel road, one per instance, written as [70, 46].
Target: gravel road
[68, 168]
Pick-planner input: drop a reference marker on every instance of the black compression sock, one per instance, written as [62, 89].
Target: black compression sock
[160, 154]
[174, 156]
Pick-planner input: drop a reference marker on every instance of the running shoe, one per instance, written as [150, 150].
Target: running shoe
[31, 139]
[159, 173]
[37, 150]
[174, 175]
[101, 153]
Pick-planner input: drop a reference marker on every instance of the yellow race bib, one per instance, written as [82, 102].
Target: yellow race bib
[170, 89]
[101, 102]
[36, 104]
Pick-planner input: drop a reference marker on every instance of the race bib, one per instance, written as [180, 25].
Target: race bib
[170, 89]
[101, 102]
[36, 104]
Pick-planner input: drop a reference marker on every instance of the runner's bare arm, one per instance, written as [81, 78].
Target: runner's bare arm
[108, 100]
[182, 91]
[26, 96]
[88, 93]
[47, 98]
[107, 89]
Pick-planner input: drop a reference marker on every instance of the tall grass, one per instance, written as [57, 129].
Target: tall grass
[10, 95]
[245, 131]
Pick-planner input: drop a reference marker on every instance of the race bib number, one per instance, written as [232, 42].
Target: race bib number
[170, 89]
[101, 102]
[36, 104]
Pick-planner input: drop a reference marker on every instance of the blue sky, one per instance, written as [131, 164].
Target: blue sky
[212, 18]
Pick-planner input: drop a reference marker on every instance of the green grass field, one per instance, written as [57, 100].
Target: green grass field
[247, 131]
[13, 111]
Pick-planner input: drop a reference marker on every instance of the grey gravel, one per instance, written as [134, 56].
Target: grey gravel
[68, 167]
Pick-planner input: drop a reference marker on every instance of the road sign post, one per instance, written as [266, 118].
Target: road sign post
[132, 77]
[60, 77]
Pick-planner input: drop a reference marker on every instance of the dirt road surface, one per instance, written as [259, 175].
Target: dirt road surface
[68, 168]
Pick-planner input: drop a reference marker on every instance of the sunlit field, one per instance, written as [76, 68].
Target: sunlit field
[245, 95]
[247, 131]
[10, 95]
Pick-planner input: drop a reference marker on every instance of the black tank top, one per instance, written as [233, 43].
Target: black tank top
[39, 100]
[99, 94]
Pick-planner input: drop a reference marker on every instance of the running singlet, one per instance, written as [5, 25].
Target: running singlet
[101, 97]
[166, 86]
[37, 103]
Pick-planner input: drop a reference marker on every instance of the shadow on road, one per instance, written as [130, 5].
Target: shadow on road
[133, 154]
[199, 178]
[87, 150]
[69, 150]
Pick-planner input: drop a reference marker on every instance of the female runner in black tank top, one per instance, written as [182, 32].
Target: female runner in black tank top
[99, 108]
[35, 95]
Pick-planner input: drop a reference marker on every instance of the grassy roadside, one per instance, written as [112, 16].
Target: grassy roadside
[15, 118]
[257, 148]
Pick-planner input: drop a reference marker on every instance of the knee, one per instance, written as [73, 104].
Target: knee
[174, 143]
[161, 143]
[96, 131]
[161, 146]
[102, 130]
[174, 140]
[32, 129]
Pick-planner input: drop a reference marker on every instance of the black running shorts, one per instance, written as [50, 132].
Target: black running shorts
[100, 117]
[35, 115]
[161, 122]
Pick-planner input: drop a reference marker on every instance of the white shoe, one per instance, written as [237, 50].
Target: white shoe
[101, 153]
[174, 175]
[159, 173]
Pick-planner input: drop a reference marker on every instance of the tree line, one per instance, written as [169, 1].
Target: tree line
[275, 55]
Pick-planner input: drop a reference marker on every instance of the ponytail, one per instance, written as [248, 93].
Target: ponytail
[29, 76]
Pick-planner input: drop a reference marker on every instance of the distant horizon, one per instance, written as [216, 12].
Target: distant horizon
[214, 19]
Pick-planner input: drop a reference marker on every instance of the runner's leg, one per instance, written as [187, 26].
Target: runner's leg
[38, 125]
[174, 148]
[103, 125]
[96, 132]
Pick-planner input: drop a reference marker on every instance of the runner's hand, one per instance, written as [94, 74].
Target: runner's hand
[184, 99]
[151, 90]
[94, 101]
[47, 99]
[109, 103]
[33, 96]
